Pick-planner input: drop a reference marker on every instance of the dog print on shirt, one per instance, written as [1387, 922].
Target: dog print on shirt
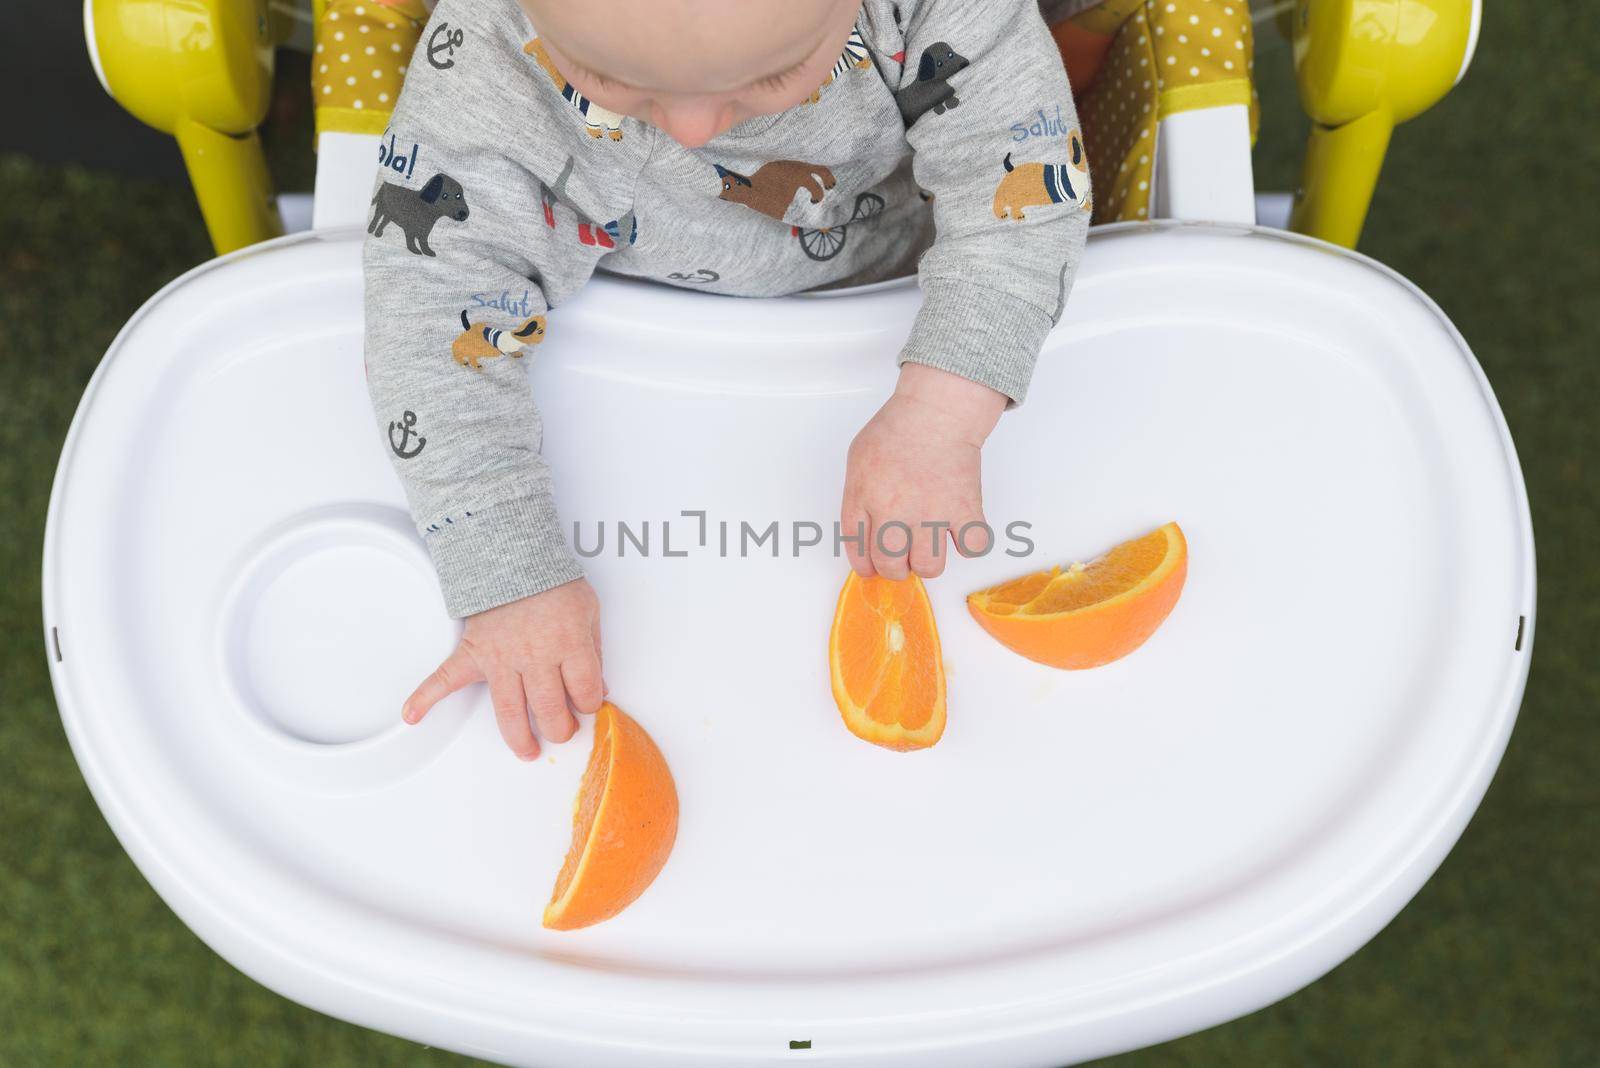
[416, 211]
[481, 342]
[1030, 185]
[596, 119]
[771, 189]
[932, 90]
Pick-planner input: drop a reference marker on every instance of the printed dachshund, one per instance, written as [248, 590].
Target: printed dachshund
[483, 342]
[416, 212]
[931, 91]
[1029, 185]
[596, 119]
[772, 188]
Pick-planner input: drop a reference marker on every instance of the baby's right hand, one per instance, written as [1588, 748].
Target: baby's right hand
[538, 653]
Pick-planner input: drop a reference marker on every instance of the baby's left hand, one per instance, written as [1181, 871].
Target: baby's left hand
[917, 463]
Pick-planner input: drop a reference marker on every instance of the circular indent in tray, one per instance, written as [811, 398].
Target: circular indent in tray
[334, 621]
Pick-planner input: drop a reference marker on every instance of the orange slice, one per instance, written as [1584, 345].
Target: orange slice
[888, 675]
[1089, 614]
[623, 825]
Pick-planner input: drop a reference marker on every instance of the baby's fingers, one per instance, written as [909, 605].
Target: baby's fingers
[547, 696]
[927, 557]
[890, 541]
[855, 531]
[600, 656]
[581, 674]
[458, 670]
[511, 714]
[972, 534]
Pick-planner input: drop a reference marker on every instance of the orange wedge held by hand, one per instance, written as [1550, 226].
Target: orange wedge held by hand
[1089, 614]
[623, 825]
[888, 674]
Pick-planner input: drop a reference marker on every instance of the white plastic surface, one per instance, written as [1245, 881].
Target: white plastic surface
[1087, 862]
[346, 166]
[1202, 168]
[1273, 208]
[295, 210]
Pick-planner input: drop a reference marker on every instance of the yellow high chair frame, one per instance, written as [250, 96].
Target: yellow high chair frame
[201, 70]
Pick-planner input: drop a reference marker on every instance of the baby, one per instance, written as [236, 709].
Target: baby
[697, 142]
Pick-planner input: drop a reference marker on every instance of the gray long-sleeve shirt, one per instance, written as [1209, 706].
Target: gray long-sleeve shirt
[946, 136]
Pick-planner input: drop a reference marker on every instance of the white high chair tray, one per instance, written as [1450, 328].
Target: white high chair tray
[236, 603]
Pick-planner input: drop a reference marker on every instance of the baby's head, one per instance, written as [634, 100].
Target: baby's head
[694, 67]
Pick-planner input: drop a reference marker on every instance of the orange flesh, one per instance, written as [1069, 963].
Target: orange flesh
[886, 664]
[1089, 614]
[624, 823]
[1080, 585]
[587, 804]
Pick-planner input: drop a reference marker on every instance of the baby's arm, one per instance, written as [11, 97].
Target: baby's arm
[460, 268]
[1011, 218]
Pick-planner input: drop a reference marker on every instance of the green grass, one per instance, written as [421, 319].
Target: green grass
[1488, 203]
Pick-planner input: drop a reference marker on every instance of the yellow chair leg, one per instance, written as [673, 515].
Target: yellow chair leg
[1362, 67]
[1339, 176]
[200, 70]
[229, 173]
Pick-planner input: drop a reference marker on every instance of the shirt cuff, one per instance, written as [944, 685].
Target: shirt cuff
[978, 333]
[498, 554]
